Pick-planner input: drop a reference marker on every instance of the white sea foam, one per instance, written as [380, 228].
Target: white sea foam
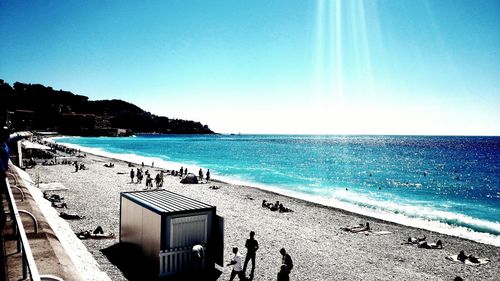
[411, 215]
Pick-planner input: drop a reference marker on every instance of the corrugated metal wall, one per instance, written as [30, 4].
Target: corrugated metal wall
[188, 231]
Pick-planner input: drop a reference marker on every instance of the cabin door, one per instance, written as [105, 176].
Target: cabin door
[188, 231]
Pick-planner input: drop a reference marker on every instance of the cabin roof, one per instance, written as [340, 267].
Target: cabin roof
[166, 202]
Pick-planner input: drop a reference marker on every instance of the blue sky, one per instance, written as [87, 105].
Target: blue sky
[360, 67]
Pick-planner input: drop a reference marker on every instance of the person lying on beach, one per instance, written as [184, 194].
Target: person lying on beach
[53, 197]
[276, 206]
[283, 209]
[265, 204]
[468, 260]
[110, 165]
[357, 228]
[59, 205]
[70, 216]
[425, 245]
[415, 240]
[98, 233]
[270, 206]
[462, 257]
[215, 187]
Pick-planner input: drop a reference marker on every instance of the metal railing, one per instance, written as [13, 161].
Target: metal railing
[174, 260]
[29, 266]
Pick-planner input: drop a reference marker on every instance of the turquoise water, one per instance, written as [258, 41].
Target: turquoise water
[451, 183]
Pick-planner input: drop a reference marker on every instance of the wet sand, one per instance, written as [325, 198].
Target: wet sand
[311, 234]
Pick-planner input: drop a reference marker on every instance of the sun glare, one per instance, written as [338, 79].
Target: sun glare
[341, 25]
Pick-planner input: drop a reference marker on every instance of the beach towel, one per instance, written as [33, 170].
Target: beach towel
[95, 236]
[454, 258]
[53, 186]
[383, 232]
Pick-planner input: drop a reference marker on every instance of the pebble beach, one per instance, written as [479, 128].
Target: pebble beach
[311, 234]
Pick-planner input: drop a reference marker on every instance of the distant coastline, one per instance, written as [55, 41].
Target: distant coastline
[38, 107]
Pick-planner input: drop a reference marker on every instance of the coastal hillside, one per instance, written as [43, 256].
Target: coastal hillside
[38, 107]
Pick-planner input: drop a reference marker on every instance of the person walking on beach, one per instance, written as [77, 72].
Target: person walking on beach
[132, 175]
[208, 174]
[237, 266]
[149, 182]
[157, 180]
[76, 166]
[287, 260]
[252, 246]
[139, 175]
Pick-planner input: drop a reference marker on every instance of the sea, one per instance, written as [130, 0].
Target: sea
[445, 184]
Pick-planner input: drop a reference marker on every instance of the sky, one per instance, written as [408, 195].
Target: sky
[418, 67]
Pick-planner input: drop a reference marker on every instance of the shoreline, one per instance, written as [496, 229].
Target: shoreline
[417, 223]
[311, 234]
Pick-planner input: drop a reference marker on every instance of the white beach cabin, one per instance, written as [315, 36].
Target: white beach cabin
[165, 226]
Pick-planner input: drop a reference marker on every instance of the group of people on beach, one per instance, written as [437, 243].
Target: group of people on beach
[240, 267]
[80, 166]
[184, 171]
[149, 180]
[277, 206]
[61, 148]
[200, 174]
[57, 201]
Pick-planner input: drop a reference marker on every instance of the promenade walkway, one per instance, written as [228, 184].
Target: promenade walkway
[50, 257]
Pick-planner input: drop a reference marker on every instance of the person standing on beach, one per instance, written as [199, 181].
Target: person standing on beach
[5, 139]
[208, 174]
[252, 246]
[200, 175]
[162, 176]
[237, 266]
[4, 167]
[286, 259]
[132, 175]
[181, 171]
